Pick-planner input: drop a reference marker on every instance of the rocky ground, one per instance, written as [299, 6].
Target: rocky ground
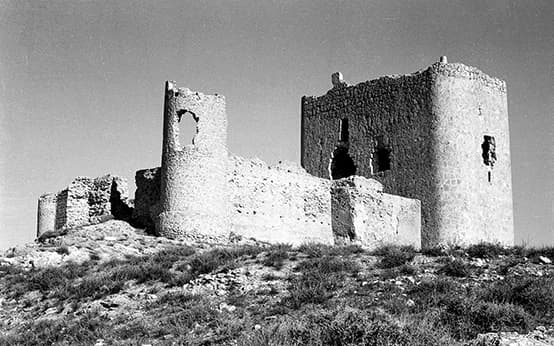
[112, 284]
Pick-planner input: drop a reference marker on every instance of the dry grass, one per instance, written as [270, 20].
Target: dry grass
[325, 302]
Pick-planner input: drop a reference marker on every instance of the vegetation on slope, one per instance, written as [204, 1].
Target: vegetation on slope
[278, 295]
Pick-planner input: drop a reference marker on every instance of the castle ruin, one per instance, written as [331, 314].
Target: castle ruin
[417, 159]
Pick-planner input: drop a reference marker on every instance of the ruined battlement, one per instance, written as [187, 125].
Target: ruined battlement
[363, 89]
[440, 135]
[85, 201]
[416, 159]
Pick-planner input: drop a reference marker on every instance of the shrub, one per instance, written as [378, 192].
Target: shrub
[171, 255]
[276, 256]
[434, 251]
[391, 273]
[328, 265]
[68, 330]
[535, 295]
[319, 278]
[221, 258]
[347, 326]
[466, 317]
[315, 250]
[394, 256]
[179, 311]
[544, 251]
[455, 268]
[433, 292]
[486, 250]
[62, 250]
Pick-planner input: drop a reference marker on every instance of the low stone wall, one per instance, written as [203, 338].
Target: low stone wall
[284, 204]
[363, 214]
[281, 204]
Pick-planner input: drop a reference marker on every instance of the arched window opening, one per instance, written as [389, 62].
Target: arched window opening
[187, 128]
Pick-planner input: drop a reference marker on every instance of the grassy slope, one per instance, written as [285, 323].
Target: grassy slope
[252, 295]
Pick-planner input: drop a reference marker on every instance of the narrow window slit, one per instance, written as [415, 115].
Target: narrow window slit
[381, 156]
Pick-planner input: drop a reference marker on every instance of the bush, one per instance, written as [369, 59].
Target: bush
[486, 250]
[221, 259]
[63, 250]
[346, 326]
[455, 268]
[434, 251]
[68, 330]
[394, 256]
[466, 317]
[535, 295]
[179, 311]
[319, 278]
[315, 250]
[535, 253]
[276, 256]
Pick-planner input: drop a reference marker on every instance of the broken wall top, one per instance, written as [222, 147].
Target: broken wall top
[457, 70]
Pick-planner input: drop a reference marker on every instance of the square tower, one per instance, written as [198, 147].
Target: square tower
[439, 135]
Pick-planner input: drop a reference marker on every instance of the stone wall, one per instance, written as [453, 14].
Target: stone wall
[284, 204]
[281, 204]
[403, 131]
[84, 201]
[363, 214]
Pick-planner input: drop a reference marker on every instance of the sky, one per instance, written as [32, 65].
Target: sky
[81, 89]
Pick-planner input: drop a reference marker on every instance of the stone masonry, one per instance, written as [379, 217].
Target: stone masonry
[439, 135]
[201, 192]
[84, 201]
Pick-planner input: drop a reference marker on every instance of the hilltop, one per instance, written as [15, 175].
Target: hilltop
[113, 284]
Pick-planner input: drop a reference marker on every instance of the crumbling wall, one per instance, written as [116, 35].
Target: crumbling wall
[281, 204]
[404, 132]
[193, 190]
[284, 204]
[147, 197]
[363, 214]
[77, 209]
[392, 115]
[84, 201]
[46, 214]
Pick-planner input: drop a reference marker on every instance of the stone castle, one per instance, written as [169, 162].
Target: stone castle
[418, 159]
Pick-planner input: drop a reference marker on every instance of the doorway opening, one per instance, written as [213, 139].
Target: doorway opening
[341, 164]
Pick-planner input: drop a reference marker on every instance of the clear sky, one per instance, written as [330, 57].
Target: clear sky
[81, 88]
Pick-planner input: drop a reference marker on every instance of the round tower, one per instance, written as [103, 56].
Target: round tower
[193, 191]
